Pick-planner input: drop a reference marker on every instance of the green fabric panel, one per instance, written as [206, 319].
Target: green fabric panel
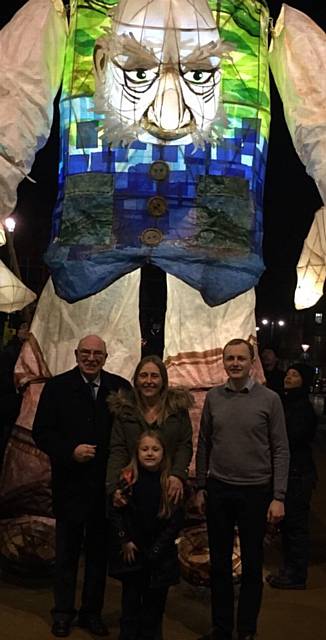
[224, 212]
[88, 207]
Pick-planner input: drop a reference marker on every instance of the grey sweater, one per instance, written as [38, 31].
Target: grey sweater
[243, 439]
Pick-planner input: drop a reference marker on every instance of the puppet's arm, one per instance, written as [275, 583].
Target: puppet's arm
[32, 48]
[298, 62]
[311, 268]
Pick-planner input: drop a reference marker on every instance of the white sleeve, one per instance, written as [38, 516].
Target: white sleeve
[311, 268]
[32, 48]
[298, 63]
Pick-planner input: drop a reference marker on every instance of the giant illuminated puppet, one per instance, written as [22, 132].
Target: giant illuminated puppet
[164, 128]
[169, 181]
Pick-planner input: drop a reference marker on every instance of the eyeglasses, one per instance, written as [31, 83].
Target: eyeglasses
[85, 353]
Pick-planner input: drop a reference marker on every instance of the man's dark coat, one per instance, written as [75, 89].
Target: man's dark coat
[68, 416]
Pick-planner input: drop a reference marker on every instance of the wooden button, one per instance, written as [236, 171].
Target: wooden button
[159, 170]
[157, 206]
[152, 237]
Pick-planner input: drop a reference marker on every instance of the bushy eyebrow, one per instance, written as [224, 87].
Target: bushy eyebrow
[138, 55]
[201, 56]
[142, 56]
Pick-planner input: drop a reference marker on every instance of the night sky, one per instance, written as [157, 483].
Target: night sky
[291, 197]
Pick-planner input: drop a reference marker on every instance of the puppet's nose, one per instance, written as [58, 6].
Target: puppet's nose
[168, 110]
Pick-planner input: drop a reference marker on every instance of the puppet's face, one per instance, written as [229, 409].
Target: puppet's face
[158, 71]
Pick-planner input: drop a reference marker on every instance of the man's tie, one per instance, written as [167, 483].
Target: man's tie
[92, 387]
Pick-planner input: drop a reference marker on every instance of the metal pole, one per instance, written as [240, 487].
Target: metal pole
[272, 330]
[13, 262]
[14, 266]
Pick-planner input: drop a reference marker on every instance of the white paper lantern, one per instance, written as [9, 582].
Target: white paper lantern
[14, 295]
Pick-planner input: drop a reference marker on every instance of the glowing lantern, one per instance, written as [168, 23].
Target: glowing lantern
[311, 268]
[14, 295]
[151, 169]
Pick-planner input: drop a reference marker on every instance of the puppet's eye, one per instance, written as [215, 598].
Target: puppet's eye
[141, 76]
[198, 76]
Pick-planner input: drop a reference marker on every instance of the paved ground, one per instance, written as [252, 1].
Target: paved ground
[285, 615]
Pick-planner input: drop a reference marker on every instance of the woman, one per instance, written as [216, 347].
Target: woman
[301, 425]
[154, 405]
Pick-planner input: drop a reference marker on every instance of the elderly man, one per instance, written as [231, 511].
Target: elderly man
[242, 463]
[72, 425]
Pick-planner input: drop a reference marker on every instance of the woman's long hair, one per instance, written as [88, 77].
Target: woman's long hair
[171, 399]
[129, 475]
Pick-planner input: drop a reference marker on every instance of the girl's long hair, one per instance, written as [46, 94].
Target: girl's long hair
[129, 474]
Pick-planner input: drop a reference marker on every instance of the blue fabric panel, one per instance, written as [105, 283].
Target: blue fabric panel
[211, 231]
[78, 273]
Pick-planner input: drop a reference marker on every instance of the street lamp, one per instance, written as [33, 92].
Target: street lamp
[305, 348]
[272, 324]
[9, 226]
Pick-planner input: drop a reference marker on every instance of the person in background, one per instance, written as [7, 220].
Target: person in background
[72, 426]
[301, 424]
[242, 468]
[144, 555]
[274, 376]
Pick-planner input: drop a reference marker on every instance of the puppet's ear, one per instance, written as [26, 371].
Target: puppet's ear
[100, 61]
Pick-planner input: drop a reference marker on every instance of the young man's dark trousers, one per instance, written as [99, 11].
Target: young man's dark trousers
[245, 506]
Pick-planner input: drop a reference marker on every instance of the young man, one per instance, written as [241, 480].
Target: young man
[242, 468]
[73, 425]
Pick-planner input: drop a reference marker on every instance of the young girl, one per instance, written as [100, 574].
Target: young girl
[145, 556]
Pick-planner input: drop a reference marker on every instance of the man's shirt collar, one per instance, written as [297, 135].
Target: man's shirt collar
[247, 386]
[95, 382]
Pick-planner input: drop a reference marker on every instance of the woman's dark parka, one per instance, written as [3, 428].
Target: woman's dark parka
[128, 424]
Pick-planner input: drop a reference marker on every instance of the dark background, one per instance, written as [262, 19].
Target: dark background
[291, 198]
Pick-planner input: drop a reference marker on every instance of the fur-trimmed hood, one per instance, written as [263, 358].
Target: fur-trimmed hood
[123, 403]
